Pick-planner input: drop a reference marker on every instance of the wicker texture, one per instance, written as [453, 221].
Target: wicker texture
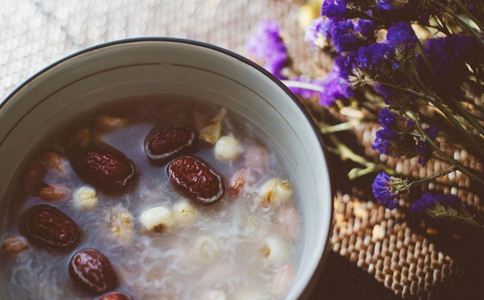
[379, 241]
[34, 33]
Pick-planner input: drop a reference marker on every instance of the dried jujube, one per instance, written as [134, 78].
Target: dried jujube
[195, 179]
[13, 245]
[110, 122]
[163, 144]
[48, 226]
[92, 271]
[103, 166]
[53, 192]
[57, 163]
[32, 177]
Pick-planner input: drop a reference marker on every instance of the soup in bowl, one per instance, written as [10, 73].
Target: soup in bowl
[159, 169]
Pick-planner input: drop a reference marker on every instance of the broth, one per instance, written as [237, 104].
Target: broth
[243, 246]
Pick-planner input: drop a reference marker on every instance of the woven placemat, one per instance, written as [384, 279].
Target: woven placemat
[376, 253]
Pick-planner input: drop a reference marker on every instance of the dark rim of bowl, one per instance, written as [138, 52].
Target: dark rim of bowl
[239, 57]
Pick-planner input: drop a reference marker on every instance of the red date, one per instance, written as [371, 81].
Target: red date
[103, 166]
[32, 178]
[165, 143]
[53, 192]
[195, 179]
[93, 272]
[48, 226]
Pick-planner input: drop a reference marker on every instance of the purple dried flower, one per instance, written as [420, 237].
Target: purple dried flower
[394, 137]
[391, 5]
[276, 63]
[387, 118]
[317, 33]
[429, 200]
[366, 27]
[465, 48]
[392, 11]
[335, 8]
[447, 58]
[343, 36]
[267, 45]
[334, 88]
[424, 151]
[423, 147]
[345, 64]
[384, 140]
[385, 91]
[377, 58]
[386, 136]
[401, 34]
[350, 35]
[388, 189]
[345, 9]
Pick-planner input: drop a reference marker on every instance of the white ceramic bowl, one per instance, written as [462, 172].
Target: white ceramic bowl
[149, 66]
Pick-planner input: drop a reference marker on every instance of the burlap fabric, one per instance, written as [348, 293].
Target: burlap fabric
[376, 253]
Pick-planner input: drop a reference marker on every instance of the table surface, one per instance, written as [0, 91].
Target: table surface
[35, 33]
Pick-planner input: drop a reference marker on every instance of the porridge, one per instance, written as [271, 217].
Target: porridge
[148, 200]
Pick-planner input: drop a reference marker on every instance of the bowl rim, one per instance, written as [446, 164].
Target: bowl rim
[326, 249]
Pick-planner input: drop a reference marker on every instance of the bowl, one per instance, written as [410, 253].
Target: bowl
[148, 66]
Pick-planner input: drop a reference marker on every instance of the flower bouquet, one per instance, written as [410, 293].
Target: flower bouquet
[408, 74]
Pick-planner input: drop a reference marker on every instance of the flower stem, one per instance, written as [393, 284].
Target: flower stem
[448, 213]
[339, 127]
[359, 172]
[470, 118]
[428, 179]
[471, 138]
[467, 12]
[345, 153]
[303, 85]
[441, 154]
[438, 102]
[460, 20]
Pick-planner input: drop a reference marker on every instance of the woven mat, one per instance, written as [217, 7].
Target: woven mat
[377, 253]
